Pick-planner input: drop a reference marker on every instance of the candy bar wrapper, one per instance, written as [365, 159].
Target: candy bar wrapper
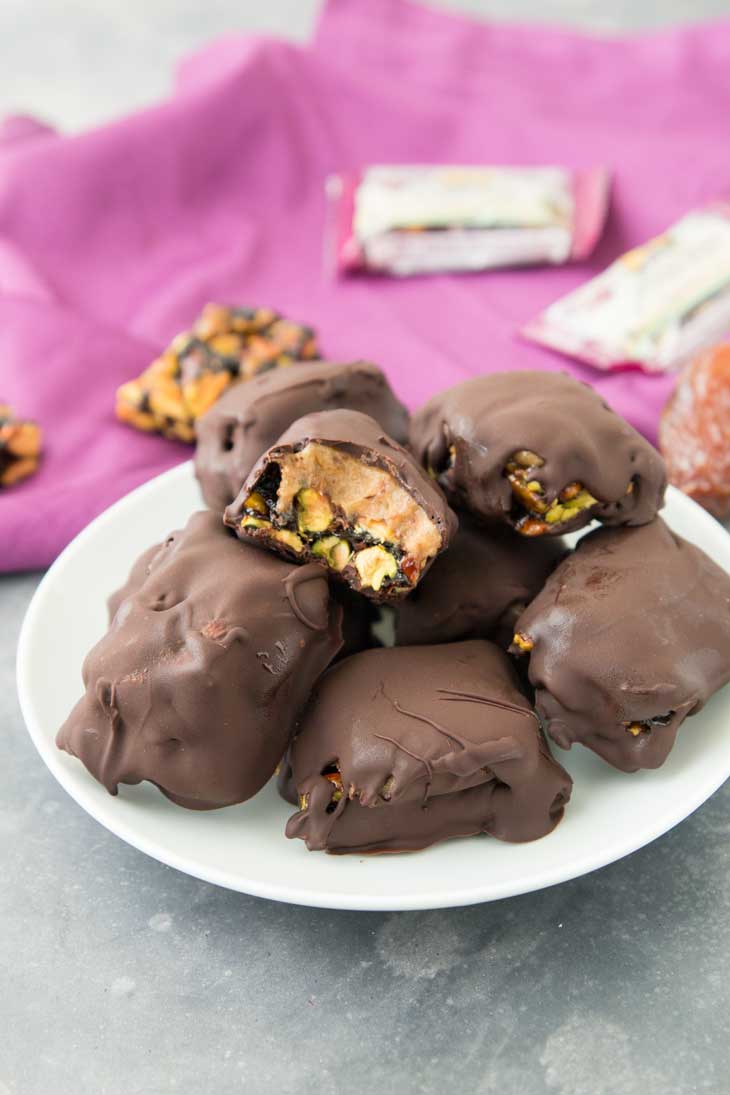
[654, 307]
[404, 220]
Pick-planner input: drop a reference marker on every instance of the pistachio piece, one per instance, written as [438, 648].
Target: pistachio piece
[255, 522]
[637, 728]
[255, 501]
[314, 512]
[580, 501]
[523, 644]
[334, 551]
[374, 565]
[528, 459]
[555, 513]
[284, 536]
[387, 787]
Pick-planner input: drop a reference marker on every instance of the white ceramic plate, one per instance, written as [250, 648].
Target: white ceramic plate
[244, 847]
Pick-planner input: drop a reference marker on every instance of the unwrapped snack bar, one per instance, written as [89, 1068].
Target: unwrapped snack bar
[225, 346]
[20, 447]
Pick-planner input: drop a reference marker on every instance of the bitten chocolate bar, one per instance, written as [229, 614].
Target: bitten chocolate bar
[335, 488]
[224, 347]
[655, 306]
[249, 418]
[419, 219]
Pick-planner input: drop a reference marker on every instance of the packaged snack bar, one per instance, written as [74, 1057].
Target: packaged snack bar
[655, 306]
[224, 346]
[425, 219]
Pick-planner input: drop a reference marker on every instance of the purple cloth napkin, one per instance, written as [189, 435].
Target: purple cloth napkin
[111, 241]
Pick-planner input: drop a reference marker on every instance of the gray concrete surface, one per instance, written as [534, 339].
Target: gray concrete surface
[119, 976]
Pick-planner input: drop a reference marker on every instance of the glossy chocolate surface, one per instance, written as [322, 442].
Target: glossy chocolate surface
[206, 665]
[630, 635]
[420, 744]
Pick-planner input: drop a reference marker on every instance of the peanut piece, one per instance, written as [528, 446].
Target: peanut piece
[314, 512]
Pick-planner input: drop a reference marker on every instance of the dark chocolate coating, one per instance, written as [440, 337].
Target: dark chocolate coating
[489, 418]
[478, 588]
[446, 730]
[360, 436]
[633, 625]
[358, 616]
[250, 417]
[137, 575]
[198, 682]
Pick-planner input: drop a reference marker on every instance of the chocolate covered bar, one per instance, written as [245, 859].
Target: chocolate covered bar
[401, 748]
[206, 665]
[629, 637]
[335, 488]
[694, 431]
[654, 307]
[421, 219]
[539, 451]
[20, 447]
[478, 588]
[249, 418]
[224, 347]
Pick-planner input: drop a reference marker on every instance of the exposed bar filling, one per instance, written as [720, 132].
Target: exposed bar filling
[645, 726]
[332, 773]
[353, 516]
[532, 514]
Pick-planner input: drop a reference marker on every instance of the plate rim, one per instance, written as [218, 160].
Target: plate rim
[316, 897]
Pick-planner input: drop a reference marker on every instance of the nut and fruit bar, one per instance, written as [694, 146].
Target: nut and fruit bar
[224, 347]
[20, 447]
